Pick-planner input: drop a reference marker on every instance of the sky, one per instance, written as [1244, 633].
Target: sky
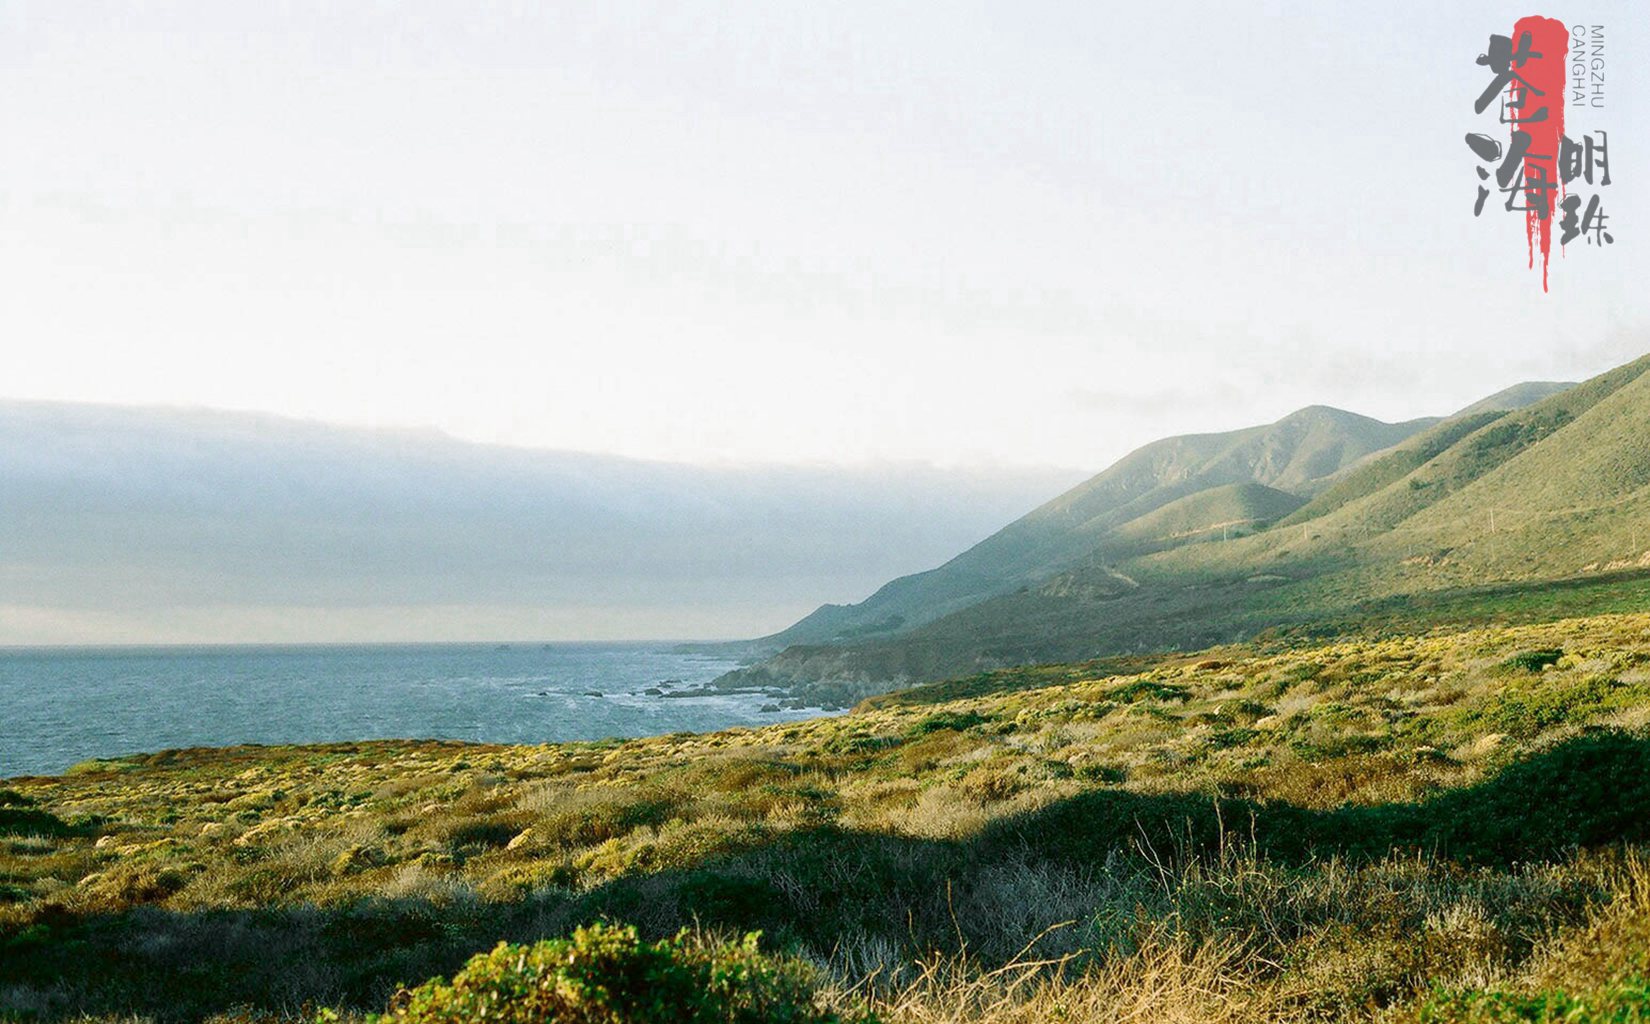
[1027, 234]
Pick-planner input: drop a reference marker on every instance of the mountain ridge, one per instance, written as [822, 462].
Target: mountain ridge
[1300, 450]
[1359, 535]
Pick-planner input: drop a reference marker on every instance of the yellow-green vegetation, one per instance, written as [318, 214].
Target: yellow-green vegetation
[1446, 827]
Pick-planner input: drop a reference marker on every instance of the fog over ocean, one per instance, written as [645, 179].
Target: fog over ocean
[162, 526]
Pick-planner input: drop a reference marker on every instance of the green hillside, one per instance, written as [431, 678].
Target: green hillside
[1572, 503]
[1215, 514]
[1320, 454]
[1297, 455]
[1493, 515]
[1475, 455]
[1381, 471]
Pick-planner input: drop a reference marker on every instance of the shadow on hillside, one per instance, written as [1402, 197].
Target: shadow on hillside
[810, 888]
[1166, 619]
[1513, 602]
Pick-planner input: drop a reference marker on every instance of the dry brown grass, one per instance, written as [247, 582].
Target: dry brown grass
[1166, 981]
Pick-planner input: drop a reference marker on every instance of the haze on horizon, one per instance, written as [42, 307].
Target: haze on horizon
[144, 526]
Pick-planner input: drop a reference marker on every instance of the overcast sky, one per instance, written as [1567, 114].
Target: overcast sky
[1018, 233]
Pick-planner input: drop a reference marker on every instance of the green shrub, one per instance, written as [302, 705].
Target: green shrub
[1624, 1003]
[1096, 771]
[1224, 739]
[1590, 791]
[607, 975]
[727, 898]
[857, 742]
[13, 893]
[1533, 661]
[956, 720]
[1526, 711]
[1147, 689]
[28, 820]
[1304, 672]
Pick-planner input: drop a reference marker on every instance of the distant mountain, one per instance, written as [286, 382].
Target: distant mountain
[132, 525]
[1201, 540]
[1104, 518]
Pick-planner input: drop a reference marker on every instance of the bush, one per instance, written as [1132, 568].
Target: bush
[940, 720]
[1525, 711]
[1624, 1003]
[1147, 689]
[1533, 661]
[24, 819]
[607, 975]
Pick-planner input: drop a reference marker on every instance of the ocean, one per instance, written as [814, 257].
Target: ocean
[59, 707]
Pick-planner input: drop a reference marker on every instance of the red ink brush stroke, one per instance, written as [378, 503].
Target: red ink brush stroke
[1546, 73]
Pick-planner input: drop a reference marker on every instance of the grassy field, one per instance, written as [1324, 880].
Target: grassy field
[1450, 826]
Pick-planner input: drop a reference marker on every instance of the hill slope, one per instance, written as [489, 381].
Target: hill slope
[1296, 455]
[1484, 515]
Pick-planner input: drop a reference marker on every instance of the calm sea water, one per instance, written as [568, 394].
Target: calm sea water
[60, 707]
